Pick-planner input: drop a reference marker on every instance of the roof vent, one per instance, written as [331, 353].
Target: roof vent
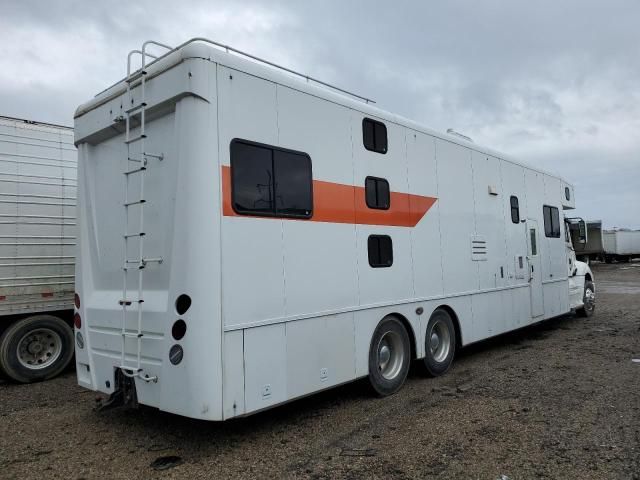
[451, 131]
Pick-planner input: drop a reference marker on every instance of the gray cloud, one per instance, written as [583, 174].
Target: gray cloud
[552, 83]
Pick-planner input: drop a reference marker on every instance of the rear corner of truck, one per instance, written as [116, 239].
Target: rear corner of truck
[164, 326]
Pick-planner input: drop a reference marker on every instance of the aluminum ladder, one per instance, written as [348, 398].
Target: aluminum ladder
[136, 167]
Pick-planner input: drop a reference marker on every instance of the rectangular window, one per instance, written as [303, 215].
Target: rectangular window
[270, 181]
[380, 251]
[534, 246]
[551, 217]
[515, 209]
[376, 191]
[374, 135]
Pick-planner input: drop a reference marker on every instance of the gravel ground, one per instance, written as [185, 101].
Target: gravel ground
[556, 400]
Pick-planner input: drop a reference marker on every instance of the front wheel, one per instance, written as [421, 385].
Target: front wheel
[439, 343]
[36, 348]
[588, 300]
[389, 356]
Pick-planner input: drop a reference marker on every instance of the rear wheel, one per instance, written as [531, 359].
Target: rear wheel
[389, 356]
[36, 348]
[440, 343]
[588, 300]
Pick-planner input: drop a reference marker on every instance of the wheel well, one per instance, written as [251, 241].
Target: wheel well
[456, 323]
[587, 278]
[412, 335]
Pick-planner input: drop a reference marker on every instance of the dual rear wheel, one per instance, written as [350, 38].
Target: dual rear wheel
[390, 351]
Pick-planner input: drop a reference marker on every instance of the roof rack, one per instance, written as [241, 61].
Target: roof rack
[229, 49]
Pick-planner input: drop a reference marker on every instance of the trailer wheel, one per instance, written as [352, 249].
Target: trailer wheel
[36, 348]
[608, 259]
[439, 343]
[589, 300]
[389, 356]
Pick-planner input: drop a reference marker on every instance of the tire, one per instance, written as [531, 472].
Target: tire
[440, 343]
[607, 259]
[588, 299]
[389, 356]
[36, 348]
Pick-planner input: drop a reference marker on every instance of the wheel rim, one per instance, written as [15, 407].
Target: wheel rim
[39, 348]
[439, 341]
[390, 355]
[589, 299]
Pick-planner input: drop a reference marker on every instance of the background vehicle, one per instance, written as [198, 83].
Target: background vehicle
[248, 237]
[592, 248]
[621, 245]
[37, 242]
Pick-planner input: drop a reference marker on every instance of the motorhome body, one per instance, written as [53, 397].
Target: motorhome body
[297, 239]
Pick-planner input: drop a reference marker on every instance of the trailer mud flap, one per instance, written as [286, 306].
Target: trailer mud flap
[123, 395]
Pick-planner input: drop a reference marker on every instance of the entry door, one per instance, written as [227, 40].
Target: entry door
[535, 272]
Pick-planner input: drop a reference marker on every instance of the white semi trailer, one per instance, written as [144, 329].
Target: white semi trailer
[37, 248]
[248, 237]
[621, 245]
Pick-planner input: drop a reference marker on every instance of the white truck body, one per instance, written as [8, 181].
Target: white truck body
[37, 222]
[282, 307]
[621, 243]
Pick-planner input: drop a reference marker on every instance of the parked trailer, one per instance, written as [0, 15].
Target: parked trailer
[37, 243]
[621, 245]
[247, 237]
[588, 243]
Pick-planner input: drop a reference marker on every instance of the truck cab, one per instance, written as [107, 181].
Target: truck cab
[581, 281]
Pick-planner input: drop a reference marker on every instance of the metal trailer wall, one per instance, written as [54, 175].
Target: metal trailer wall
[37, 248]
[37, 216]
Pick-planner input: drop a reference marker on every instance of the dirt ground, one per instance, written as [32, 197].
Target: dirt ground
[558, 400]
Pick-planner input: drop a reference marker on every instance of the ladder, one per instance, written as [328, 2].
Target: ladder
[136, 166]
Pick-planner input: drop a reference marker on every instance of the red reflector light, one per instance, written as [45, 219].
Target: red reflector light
[76, 300]
[77, 321]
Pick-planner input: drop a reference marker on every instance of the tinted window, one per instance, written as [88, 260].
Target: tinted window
[252, 178]
[515, 210]
[377, 194]
[293, 184]
[270, 181]
[380, 251]
[374, 135]
[551, 217]
[534, 246]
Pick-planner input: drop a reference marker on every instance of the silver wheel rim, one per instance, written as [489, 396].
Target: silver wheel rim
[439, 341]
[390, 355]
[589, 299]
[39, 348]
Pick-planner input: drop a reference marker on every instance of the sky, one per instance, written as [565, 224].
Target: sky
[553, 84]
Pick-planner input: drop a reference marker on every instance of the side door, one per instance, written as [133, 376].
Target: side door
[535, 270]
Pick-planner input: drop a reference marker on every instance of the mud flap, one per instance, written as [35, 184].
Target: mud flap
[123, 395]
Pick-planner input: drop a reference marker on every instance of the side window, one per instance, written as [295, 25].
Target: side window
[515, 209]
[551, 217]
[270, 181]
[377, 194]
[534, 245]
[374, 135]
[380, 251]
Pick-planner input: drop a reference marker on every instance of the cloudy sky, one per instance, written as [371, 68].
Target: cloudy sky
[555, 84]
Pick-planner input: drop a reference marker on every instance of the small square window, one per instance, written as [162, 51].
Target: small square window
[374, 135]
[377, 194]
[380, 251]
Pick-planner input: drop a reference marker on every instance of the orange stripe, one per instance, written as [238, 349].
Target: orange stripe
[339, 203]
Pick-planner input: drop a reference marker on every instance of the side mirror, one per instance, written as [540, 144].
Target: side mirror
[582, 231]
